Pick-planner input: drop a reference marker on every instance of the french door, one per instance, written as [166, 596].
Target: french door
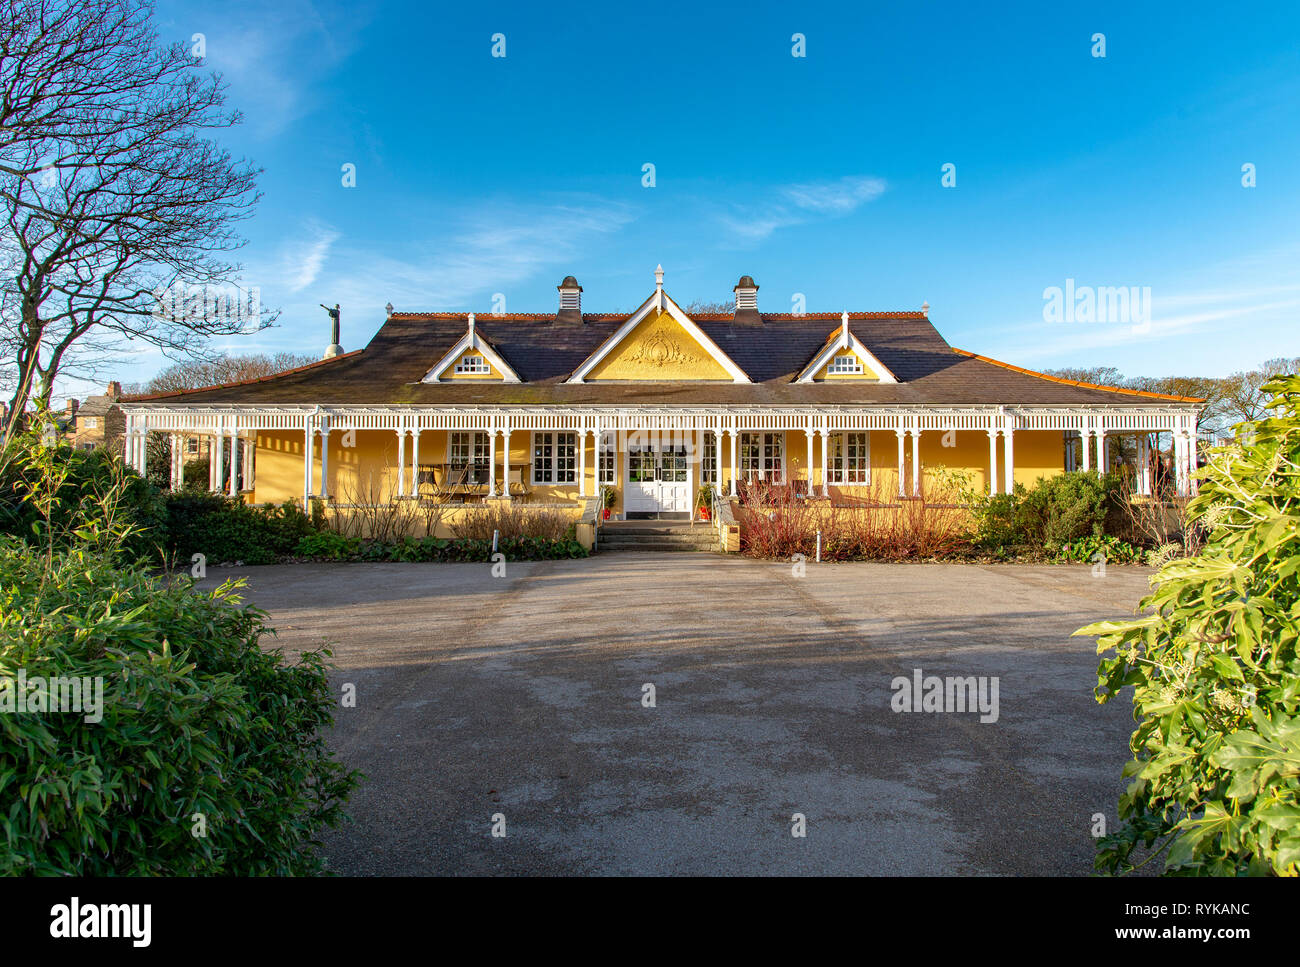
[658, 480]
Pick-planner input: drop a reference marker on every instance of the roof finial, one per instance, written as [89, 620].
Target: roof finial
[844, 331]
[925, 308]
[389, 308]
[471, 325]
[659, 276]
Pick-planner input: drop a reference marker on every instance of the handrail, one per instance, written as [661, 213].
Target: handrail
[724, 517]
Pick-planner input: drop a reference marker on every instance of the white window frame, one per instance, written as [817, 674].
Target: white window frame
[192, 445]
[92, 422]
[709, 459]
[473, 364]
[607, 461]
[475, 448]
[552, 466]
[763, 465]
[838, 462]
[844, 364]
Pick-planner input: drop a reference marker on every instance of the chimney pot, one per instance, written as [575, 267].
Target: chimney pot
[114, 390]
[746, 291]
[570, 300]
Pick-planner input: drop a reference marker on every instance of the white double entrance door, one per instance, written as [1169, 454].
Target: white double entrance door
[658, 479]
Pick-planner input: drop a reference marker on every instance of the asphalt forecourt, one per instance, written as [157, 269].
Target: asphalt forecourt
[695, 714]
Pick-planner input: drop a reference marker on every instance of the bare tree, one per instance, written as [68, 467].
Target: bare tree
[1243, 393]
[197, 373]
[1098, 375]
[118, 213]
[702, 308]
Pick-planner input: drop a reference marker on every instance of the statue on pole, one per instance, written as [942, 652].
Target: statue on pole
[334, 349]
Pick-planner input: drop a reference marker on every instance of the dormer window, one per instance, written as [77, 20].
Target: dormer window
[473, 365]
[845, 363]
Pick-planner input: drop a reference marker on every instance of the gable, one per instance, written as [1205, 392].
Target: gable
[845, 358]
[659, 348]
[472, 364]
[841, 363]
[472, 359]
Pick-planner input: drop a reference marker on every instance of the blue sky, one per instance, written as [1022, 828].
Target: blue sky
[818, 175]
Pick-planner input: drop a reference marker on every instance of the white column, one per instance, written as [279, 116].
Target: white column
[505, 461]
[826, 464]
[415, 458]
[809, 433]
[219, 459]
[308, 459]
[582, 461]
[250, 447]
[401, 461]
[212, 466]
[1086, 435]
[993, 462]
[234, 462]
[1180, 459]
[1103, 451]
[325, 461]
[1192, 484]
[1008, 449]
[734, 468]
[902, 459]
[1144, 464]
[916, 461]
[492, 461]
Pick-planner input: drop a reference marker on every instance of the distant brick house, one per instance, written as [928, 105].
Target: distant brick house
[98, 422]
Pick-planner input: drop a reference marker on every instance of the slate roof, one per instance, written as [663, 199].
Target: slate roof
[545, 352]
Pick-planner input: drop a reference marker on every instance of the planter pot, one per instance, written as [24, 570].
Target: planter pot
[606, 512]
[704, 514]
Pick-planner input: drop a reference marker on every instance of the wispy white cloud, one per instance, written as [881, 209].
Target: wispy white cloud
[273, 55]
[799, 203]
[1176, 317]
[303, 258]
[835, 197]
[492, 248]
[497, 246]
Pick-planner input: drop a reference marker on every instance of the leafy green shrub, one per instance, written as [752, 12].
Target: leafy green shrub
[197, 721]
[335, 547]
[226, 529]
[1215, 673]
[44, 490]
[327, 546]
[998, 521]
[192, 751]
[1112, 549]
[1068, 506]
[1054, 511]
[195, 475]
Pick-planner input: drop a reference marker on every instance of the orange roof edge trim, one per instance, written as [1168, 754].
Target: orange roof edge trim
[240, 382]
[1076, 382]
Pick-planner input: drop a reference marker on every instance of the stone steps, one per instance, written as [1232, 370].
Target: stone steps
[657, 536]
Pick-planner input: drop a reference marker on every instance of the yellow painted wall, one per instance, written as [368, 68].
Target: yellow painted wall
[659, 349]
[367, 471]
